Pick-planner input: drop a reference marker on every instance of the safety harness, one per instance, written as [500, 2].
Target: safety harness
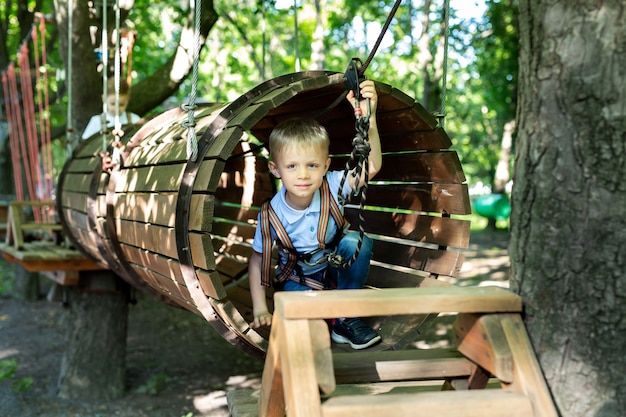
[269, 219]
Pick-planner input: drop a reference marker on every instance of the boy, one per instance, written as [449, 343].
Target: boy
[299, 157]
[95, 123]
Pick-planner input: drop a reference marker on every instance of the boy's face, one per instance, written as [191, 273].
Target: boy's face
[122, 103]
[302, 170]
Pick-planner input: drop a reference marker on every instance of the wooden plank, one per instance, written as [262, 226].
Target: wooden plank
[481, 338]
[422, 166]
[211, 284]
[528, 377]
[302, 397]
[158, 153]
[158, 178]
[272, 395]
[62, 277]
[383, 276]
[77, 182]
[171, 288]
[399, 365]
[222, 146]
[322, 356]
[421, 228]
[475, 403]
[436, 261]
[74, 201]
[41, 265]
[159, 208]
[430, 198]
[154, 238]
[208, 176]
[243, 402]
[391, 301]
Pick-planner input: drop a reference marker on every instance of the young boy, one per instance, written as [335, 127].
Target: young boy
[95, 123]
[299, 150]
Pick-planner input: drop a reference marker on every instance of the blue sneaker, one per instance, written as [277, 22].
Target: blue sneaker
[355, 332]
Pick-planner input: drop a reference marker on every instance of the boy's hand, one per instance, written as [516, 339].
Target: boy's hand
[368, 91]
[262, 318]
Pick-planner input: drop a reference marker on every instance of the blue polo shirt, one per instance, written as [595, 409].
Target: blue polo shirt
[301, 225]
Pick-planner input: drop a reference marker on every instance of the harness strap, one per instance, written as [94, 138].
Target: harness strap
[269, 219]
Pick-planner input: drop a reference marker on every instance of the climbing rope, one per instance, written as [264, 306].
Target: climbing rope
[117, 132]
[190, 107]
[444, 76]
[105, 76]
[358, 163]
[71, 140]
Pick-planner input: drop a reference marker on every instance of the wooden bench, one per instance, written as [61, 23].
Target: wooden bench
[46, 252]
[303, 377]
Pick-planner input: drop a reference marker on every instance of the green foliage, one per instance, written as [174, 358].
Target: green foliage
[8, 369]
[6, 281]
[154, 385]
[255, 40]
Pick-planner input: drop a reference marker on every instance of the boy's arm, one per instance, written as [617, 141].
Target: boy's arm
[368, 90]
[262, 317]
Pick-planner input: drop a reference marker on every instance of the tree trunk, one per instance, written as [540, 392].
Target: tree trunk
[94, 358]
[26, 284]
[568, 224]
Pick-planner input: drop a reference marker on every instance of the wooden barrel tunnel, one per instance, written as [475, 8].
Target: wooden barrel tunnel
[182, 229]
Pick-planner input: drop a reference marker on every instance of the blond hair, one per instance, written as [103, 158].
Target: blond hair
[124, 87]
[299, 132]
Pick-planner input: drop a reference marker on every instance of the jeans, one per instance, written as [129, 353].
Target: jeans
[354, 276]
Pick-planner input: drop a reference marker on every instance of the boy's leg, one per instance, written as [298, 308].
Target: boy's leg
[353, 330]
[353, 277]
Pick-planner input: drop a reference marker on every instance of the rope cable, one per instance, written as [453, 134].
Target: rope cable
[116, 156]
[190, 123]
[105, 75]
[444, 76]
[29, 147]
[15, 128]
[70, 134]
[46, 135]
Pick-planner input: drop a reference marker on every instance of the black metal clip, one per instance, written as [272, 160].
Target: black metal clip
[353, 77]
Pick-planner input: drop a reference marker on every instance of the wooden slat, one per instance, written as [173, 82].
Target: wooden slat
[481, 338]
[528, 375]
[391, 301]
[421, 228]
[443, 167]
[364, 366]
[162, 178]
[435, 261]
[475, 403]
[432, 198]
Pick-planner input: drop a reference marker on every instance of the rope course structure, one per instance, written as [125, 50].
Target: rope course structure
[27, 108]
[33, 235]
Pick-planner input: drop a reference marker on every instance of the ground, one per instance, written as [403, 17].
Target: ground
[177, 365]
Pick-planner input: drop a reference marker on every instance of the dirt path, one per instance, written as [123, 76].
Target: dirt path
[177, 364]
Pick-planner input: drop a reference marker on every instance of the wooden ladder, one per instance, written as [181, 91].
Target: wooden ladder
[304, 378]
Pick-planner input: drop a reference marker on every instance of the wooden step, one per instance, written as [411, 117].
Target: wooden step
[475, 403]
[395, 301]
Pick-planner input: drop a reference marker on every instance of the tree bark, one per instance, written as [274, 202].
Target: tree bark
[26, 284]
[94, 359]
[568, 224]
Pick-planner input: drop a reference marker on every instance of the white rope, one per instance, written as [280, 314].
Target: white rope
[190, 124]
[105, 77]
[70, 136]
[444, 76]
[116, 157]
